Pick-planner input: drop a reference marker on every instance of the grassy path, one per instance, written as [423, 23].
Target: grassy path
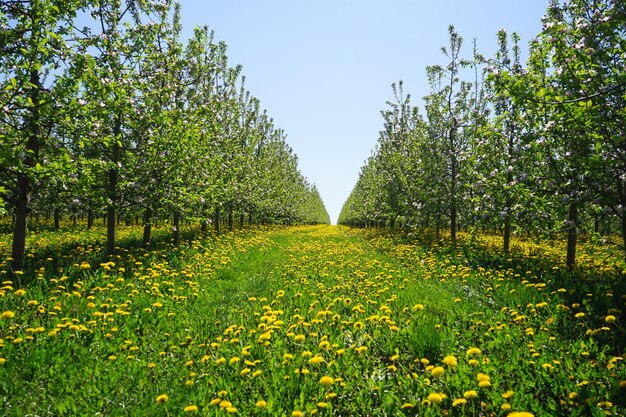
[305, 321]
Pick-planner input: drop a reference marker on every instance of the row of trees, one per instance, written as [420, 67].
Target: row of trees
[534, 148]
[104, 110]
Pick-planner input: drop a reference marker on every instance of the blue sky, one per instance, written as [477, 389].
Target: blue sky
[323, 68]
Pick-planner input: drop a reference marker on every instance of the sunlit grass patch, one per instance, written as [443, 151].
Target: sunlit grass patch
[311, 320]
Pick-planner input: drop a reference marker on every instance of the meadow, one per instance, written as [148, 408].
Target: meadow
[311, 320]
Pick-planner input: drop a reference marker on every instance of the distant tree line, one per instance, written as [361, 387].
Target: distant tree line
[510, 147]
[106, 112]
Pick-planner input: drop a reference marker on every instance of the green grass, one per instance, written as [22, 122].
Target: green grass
[261, 315]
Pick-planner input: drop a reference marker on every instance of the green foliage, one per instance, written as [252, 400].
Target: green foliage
[534, 149]
[343, 321]
[118, 116]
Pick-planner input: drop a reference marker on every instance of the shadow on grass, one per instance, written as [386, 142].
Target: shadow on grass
[598, 288]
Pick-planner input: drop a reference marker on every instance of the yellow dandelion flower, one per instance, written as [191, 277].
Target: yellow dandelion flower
[622, 384]
[435, 398]
[2, 361]
[578, 316]
[225, 404]
[610, 319]
[162, 398]
[299, 338]
[316, 360]
[450, 361]
[326, 381]
[507, 395]
[520, 414]
[231, 409]
[471, 394]
[215, 401]
[459, 402]
[261, 404]
[473, 351]
[505, 407]
[407, 406]
[191, 409]
[7, 314]
[322, 404]
[297, 413]
[437, 371]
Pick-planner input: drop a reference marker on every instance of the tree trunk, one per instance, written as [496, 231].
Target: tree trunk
[21, 222]
[453, 224]
[112, 187]
[507, 231]
[176, 228]
[89, 219]
[623, 216]
[217, 219]
[241, 220]
[572, 222]
[230, 219]
[24, 184]
[147, 227]
[57, 218]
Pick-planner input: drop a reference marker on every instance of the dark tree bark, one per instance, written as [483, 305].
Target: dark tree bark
[147, 227]
[572, 234]
[112, 187]
[24, 183]
[177, 228]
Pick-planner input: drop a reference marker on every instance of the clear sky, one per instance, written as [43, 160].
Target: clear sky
[323, 68]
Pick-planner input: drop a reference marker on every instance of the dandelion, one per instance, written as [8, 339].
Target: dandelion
[578, 316]
[450, 361]
[191, 409]
[297, 413]
[520, 414]
[459, 402]
[162, 398]
[7, 314]
[610, 319]
[437, 371]
[2, 361]
[316, 360]
[326, 381]
[322, 404]
[471, 394]
[225, 404]
[436, 398]
[473, 351]
[215, 401]
[261, 404]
